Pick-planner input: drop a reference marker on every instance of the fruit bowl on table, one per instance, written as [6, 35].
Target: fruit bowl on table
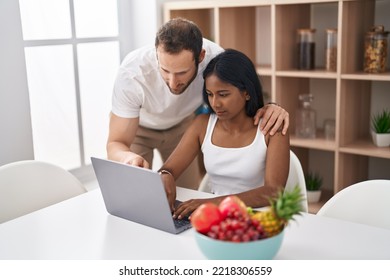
[262, 249]
[231, 230]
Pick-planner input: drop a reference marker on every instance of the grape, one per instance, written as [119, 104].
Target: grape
[237, 227]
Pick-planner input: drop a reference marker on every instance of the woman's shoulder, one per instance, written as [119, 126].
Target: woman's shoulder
[201, 120]
[199, 125]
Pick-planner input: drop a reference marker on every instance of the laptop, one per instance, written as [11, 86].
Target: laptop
[136, 194]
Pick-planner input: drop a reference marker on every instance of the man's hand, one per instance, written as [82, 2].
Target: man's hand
[274, 117]
[134, 159]
[121, 135]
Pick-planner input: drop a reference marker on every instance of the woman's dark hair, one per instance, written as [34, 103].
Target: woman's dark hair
[235, 68]
[180, 34]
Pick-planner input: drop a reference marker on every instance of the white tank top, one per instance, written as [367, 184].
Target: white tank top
[234, 170]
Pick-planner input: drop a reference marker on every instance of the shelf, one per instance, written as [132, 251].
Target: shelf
[367, 77]
[265, 30]
[264, 70]
[318, 143]
[318, 73]
[366, 148]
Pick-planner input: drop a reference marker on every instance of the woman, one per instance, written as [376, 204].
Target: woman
[238, 158]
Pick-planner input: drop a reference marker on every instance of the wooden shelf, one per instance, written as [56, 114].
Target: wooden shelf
[266, 31]
[264, 70]
[319, 74]
[366, 148]
[366, 77]
[318, 143]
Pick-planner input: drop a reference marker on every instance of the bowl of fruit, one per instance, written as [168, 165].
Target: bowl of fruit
[231, 230]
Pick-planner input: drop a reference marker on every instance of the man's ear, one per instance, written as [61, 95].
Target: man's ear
[202, 55]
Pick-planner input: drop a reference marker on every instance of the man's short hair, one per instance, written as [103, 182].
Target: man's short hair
[180, 34]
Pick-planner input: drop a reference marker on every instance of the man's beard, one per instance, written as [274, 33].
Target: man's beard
[186, 86]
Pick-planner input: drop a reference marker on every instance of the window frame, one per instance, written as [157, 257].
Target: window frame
[85, 172]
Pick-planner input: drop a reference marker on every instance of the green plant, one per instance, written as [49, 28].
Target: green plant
[313, 181]
[381, 122]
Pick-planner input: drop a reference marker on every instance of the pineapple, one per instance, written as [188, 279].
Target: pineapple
[282, 209]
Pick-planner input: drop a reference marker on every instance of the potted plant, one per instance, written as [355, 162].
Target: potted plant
[313, 186]
[381, 129]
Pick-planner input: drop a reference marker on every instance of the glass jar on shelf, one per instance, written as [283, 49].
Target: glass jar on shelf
[305, 126]
[330, 129]
[375, 50]
[306, 48]
[331, 50]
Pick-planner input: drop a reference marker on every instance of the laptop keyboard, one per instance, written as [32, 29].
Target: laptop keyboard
[181, 222]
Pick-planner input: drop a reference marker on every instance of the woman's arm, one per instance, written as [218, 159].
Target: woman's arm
[185, 152]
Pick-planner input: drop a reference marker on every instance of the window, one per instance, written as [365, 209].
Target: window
[72, 55]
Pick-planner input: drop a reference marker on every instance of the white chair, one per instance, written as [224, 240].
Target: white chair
[27, 186]
[204, 184]
[366, 202]
[295, 177]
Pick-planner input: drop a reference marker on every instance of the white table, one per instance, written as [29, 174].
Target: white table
[80, 228]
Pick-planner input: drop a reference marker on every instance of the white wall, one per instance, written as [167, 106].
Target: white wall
[15, 122]
[142, 25]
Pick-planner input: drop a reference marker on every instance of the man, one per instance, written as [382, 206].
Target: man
[156, 92]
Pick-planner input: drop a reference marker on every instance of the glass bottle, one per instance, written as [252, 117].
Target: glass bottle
[305, 126]
[306, 49]
[331, 50]
[375, 50]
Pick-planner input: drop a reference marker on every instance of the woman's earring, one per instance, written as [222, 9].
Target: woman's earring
[247, 98]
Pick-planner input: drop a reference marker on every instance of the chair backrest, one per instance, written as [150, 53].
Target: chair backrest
[366, 202]
[295, 177]
[204, 184]
[27, 186]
